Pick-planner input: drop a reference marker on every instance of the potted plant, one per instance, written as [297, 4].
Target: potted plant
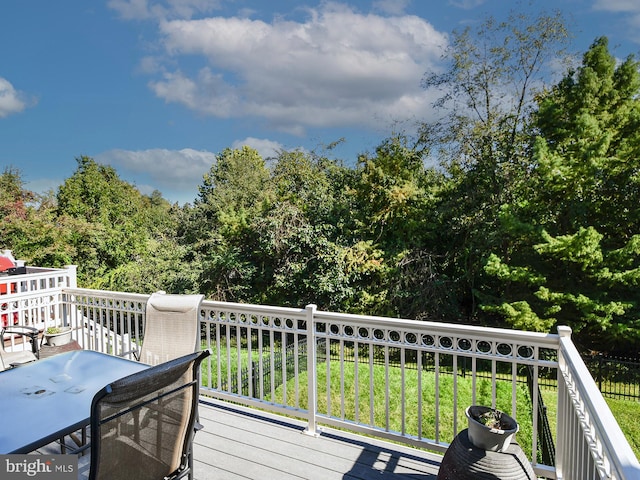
[490, 429]
[56, 336]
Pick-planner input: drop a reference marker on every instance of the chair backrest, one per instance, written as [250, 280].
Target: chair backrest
[172, 327]
[142, 425]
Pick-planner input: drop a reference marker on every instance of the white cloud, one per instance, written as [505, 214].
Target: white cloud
[11, 101]
[168, 169]
[146, 9]
[266, 148]
[466, 4]
[617, 5]
[392, 7]
[337, 68]
[629, 7]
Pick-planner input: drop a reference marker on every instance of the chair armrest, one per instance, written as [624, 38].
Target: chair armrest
[135, 353]
[25, 331]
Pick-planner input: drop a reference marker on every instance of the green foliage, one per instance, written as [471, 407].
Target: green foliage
[232, 191]
[390, 196]
[583, 288]
[482, 141]
[95, 194]
[578, 260]
[588, 150]
[216, 232]
[530, 220]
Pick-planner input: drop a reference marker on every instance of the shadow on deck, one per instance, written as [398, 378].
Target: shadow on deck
[242, 443]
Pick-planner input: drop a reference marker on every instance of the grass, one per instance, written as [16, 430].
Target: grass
[627, 413]
[228, 364]
[441, 427]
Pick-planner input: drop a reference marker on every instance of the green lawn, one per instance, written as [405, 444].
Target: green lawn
[627, 413]
[444, 402]
[228, 364]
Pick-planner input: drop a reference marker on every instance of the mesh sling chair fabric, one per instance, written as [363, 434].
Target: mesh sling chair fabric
[142, 424]
[171, 327]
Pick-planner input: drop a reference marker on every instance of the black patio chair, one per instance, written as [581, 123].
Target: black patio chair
[142, 425]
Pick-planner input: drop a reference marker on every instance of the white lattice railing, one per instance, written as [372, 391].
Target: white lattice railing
[34, 299]
[402, 380]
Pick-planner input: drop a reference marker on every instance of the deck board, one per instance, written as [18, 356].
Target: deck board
[239, 443]
[242, 443]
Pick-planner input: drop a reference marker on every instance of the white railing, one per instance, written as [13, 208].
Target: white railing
[34, 299]
[105, 321]
[402, 380]
[397, 379]
[590, 442]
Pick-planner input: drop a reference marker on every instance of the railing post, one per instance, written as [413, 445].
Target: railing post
[73, 276]
[312, 387]
[72, 282]
[562, 435]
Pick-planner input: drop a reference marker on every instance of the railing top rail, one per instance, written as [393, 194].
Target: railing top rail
[133, 297]
[44, 271]
[544, 340]
[252, 309]
[614, 441]
[34, 273]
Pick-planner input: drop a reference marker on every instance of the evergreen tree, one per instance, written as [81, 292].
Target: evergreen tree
[579, 264]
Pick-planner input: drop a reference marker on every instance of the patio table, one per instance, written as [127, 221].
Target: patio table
[47, 399]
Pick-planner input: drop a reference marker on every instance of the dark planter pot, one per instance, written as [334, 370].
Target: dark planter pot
[494, 439]
[465, 461]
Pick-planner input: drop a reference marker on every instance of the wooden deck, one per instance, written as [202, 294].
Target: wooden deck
[242, 443]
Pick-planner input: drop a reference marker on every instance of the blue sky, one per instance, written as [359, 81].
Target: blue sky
[157, 88]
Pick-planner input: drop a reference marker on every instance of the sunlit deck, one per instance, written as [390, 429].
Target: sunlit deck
[242, 443]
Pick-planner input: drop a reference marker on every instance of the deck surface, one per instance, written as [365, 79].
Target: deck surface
[242, 443]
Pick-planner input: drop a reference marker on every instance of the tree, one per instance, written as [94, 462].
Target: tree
[587, 153]
[482, 141]
[390, 196]
[30, 227]
[297, 246]
[233, 189]
[216, 231]
[114, 210]
[13, 196]
[579, 261]
[392, 255]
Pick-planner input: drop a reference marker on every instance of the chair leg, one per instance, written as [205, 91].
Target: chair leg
[80, 442]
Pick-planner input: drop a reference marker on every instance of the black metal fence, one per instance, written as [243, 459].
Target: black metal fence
[616, 377]
[546, 445]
